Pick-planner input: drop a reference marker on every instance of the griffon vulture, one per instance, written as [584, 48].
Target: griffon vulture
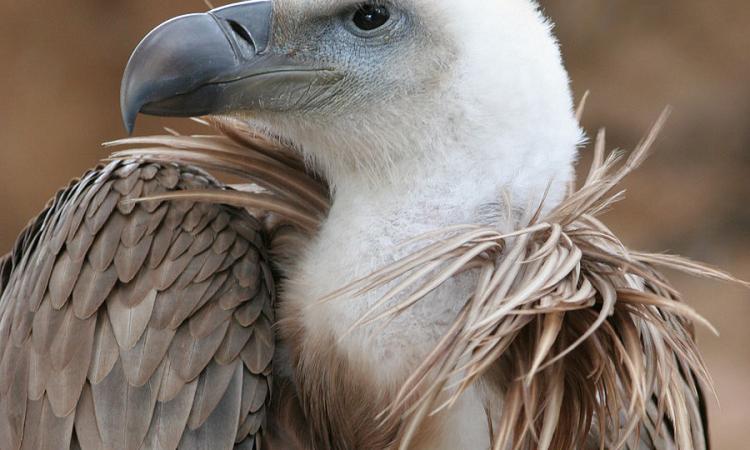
[320, 306]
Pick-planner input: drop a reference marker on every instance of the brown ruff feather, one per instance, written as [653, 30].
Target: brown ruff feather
[585, 342]
[579, 334]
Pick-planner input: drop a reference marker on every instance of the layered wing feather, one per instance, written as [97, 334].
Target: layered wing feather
[127, 325]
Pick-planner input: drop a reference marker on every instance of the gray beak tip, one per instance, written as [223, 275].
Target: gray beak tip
[129, 116]
[130, 127]
[132, 100]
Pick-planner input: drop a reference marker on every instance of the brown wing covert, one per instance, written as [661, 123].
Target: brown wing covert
[128, 325]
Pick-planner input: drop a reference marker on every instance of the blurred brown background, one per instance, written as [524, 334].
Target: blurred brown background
[60, 67]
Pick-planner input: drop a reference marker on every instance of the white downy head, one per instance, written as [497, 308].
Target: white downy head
[441, 80]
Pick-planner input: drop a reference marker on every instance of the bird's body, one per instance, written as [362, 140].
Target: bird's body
[417, 116]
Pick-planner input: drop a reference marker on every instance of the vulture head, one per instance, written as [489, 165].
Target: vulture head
[366, 88]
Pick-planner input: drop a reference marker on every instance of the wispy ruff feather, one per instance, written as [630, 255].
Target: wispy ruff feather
[586, 343]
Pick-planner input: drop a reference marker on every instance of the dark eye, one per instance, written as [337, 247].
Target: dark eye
[369, 16]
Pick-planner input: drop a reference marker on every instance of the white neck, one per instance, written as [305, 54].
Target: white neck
[452, 182]
[457, 184]
[366, 223]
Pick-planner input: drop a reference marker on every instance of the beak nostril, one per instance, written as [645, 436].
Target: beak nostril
[241, 32]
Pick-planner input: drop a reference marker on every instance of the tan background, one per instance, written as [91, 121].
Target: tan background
[61, 60]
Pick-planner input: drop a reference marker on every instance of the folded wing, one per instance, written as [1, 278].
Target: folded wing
[127, 325]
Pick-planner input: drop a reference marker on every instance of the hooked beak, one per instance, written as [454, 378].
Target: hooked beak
[213, 63]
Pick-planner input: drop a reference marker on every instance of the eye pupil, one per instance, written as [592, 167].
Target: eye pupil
[369, 17]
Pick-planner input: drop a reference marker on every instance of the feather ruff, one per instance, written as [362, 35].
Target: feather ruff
[585, 342]
[581, 336]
